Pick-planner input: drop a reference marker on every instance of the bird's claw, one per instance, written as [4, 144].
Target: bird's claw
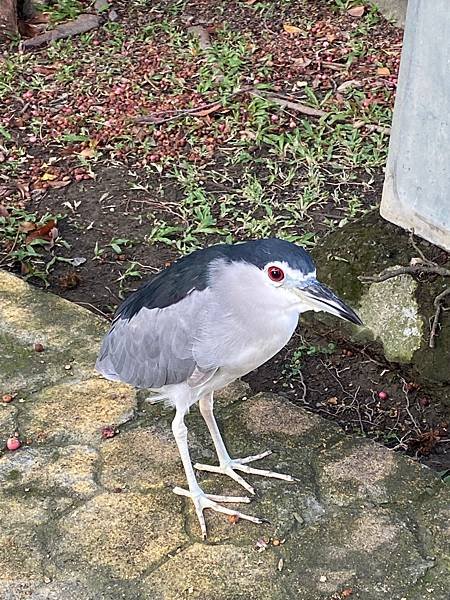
[240, 464]
[202, 501]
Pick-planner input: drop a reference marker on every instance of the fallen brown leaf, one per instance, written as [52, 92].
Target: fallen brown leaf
[44, 70]
[356, 11]
[56, 185]
[70, 281]
[27, 226]
[232, 519]
[40, 17]
[24, 190]
[207, 111]
[383, 71]
[42, 233]
[3, 211]
[27, 30]
[291, 28]
[88, 153]
[49, 177]
[302, 62]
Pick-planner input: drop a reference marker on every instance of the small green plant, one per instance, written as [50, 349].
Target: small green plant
[117, 245]
[30, 243]
[132, 271]
[64, 10]
[293, 365]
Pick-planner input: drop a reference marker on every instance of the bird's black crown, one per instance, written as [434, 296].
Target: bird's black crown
[191, 271]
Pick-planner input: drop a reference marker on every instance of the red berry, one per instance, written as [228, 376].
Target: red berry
[13, 443]
[382, 395]
[109, 432]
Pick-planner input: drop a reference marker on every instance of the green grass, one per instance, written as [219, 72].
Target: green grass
[274, 172]
[35, 258]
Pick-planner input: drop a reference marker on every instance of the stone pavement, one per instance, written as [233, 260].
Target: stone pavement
[86, 518]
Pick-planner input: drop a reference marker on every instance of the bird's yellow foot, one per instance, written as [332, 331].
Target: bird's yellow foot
[202, 501]
[230, 466]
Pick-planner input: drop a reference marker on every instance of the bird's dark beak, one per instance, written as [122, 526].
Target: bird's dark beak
[318, 297]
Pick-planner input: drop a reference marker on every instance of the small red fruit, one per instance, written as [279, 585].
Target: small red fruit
[13, 443]
[383, 395]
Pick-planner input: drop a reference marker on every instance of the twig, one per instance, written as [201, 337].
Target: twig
[426, 267]
[437, 313]
[414, 422]
[93, 307]
[418, 250]
[210, 107]
[412, 270]
[302, 383]
[81, 24]
[285, 102]
[200, 111]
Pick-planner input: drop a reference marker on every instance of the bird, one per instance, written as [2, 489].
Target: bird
[209, 318]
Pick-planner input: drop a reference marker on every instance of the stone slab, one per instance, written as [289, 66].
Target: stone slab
[95, 519]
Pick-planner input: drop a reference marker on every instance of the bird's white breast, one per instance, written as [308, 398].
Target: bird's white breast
[244, 322]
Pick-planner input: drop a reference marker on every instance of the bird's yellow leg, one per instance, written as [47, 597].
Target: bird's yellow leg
[227, 465]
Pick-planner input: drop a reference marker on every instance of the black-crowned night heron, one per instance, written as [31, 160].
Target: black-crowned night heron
[211, 317]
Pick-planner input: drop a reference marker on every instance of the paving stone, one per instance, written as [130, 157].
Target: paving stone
[220, 572]
[69, 334]
[77, 413]
[8, 423]
[68, 470]
[123, 534]
[95, 519]
[140, 459]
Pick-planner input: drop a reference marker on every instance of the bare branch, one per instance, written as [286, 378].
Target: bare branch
[438, 309]
[418, 250]
[286, 102]
[81, 24]
[411, 270]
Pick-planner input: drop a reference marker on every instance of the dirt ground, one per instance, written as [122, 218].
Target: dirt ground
[127, 198]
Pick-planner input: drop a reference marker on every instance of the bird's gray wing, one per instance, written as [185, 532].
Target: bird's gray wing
[154, 347]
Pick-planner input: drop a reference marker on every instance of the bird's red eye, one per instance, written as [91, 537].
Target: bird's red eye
[275, 274]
